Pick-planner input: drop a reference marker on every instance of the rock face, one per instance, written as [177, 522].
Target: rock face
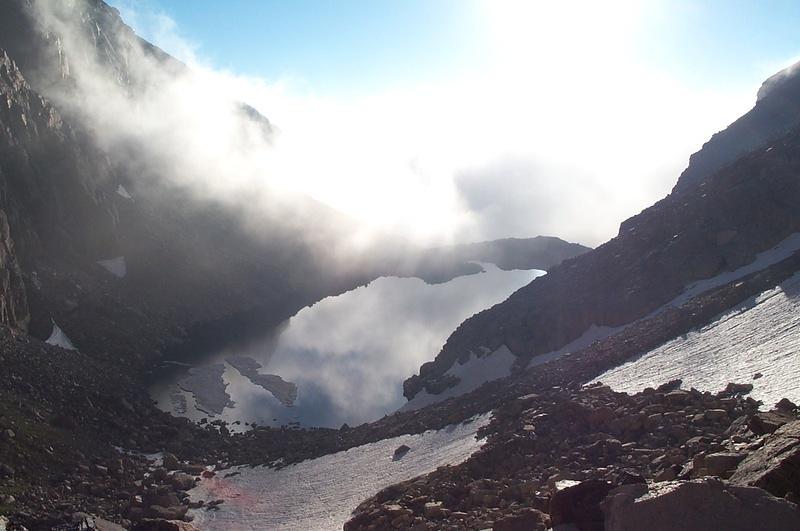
[697, 506]
[776, 112]
[694, 233]
[13, 301]
[775, 466]
[59, 193]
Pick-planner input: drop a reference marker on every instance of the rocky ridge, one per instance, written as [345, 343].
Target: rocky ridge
[692, 234]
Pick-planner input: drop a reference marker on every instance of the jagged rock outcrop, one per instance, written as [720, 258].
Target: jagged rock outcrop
[692, 234]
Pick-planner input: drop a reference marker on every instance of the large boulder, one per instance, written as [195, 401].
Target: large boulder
[697, 505]
[579, 505]
[775, 466]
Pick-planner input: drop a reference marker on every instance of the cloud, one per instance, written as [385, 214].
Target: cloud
[566, 133]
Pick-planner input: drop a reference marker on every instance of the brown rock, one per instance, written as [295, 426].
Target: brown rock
[171, 462]
[580, 505]
[716, 414]
[164, 525]
[697, 505]
[775, 466]
[767, 421]
[182, 481]
[168, 513]
[530, 520]
[722, 463]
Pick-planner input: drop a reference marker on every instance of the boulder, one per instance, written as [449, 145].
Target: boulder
[164, 525]
[775, 466]
[401, 451]
[767, 421]
[182, 481]
[579, 505]
[169, 513]
[171, 462]
[697, 505]
[722, 463]
[785, 405]
[737, 389]
[529, 520]
[104, 525]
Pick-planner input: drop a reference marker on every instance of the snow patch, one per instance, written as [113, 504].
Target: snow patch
[474, 373]
[760, 335]
[115, 266]
[121, 191]
[763, 260]
[321, 493]
[59, 339]
[772, 256]
[592, 334]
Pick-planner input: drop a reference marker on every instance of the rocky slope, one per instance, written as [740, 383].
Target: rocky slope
[551, 459]
[776, 112]
[692, 234]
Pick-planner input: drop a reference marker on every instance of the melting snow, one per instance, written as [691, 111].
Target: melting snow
[762, 260]
[115, 266]
[760, 335]
[472, 374]
[59, 338]
[592, 334]
[123, 192]
[320, 494]
[479, 370]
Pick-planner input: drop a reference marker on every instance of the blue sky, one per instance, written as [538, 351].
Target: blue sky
[360, 44]
[463, 120]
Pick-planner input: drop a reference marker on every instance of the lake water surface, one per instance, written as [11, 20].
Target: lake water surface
[342, 360]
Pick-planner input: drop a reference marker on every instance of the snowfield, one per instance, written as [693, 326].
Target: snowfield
[479, 370]
[321, 493]
[761, 335]
[472, 374]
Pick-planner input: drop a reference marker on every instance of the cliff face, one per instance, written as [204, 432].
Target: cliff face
[701, 229]
[776, 112]
[72, 207]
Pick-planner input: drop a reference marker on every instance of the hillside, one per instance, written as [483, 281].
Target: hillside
[696, 232]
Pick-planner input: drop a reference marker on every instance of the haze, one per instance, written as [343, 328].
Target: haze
[464, 121]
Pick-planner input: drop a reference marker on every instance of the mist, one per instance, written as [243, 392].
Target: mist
[566, 144]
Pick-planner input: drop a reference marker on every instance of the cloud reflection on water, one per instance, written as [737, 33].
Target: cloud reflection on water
[349, 354]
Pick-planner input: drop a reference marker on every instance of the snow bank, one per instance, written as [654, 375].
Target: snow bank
[115, 266]
[121, 191]
[592, 334]
[762, 260]
[760, 335]
[59, 339]
[320, 494]
[472, 374]
[479, 370]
